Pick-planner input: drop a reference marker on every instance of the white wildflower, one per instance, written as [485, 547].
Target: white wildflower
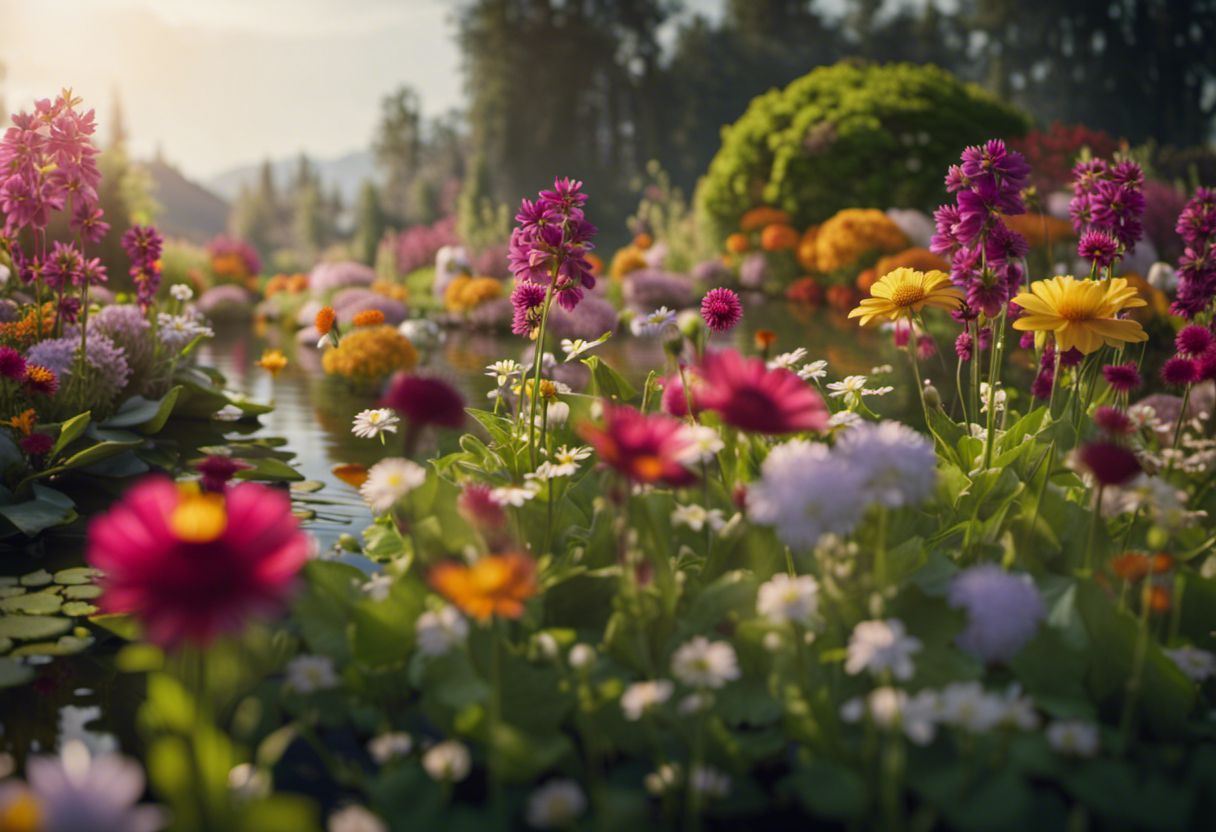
[515, 495]
[789, 600]
[581, 656]
[815, 371]
[556, 805]
[697, 517]
[653, 324]
[378, 586]
[309, 674]
[640, 697]
[369, 424]
[355, 819]
[881, 646]
[447, 762]
[708, 781]
[574, 347]
[440, 631]
[181, 292]
[700, 663]
[805, 491]
[1074, 738]
[787, 360]
[390, 746]
[853, 389]
[701, 444]
[389, 480]
[1197, 665]
[503, 371]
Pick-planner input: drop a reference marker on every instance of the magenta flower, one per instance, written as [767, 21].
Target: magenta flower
[721, 309]
[1109, 462]
[751, 397]
[1194, 340]
[551, 242]
[1112, 421]
[647, 449]
[1098, 247]
[1179, 371]
[1122, 378]
[144, 245]
[424, 400]
[12, 364]
[527, 300]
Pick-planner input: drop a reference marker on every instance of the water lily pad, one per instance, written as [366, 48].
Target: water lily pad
[39, 578]
[13, 673]
[76, 575]
[81, 593]
[6, 644]
[307, 486]
[65, 646]
[10, 591]
[8, 580]
[34, 603]
[77, 609]
[29, 627]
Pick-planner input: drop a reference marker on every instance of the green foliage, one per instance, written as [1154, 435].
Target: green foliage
[845, 136]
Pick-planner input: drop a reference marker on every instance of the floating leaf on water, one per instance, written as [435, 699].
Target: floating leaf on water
[86, 592]
[76, 575]
[77, 609]
[307, 486]
[29, 627]
[65, 646]
[14, 673]
[8, 580]
[303, 514]
[6, 644]
[39, 578]
[9, 591]
[34, 603]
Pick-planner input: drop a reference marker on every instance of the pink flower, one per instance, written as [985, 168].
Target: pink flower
[646, 449]
[675, 402]
[1193, 340]
[1109, 462]
[425, 400]
[1122, 378]
[721, 309]
[477, 506]
[751, 397]
[191, 565]
[1112, 420]
[1179, 371]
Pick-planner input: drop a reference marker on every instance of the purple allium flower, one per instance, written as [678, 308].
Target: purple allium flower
[551, 242]
[109, 369]
[1003, 611]
[12, 364]
[527, 298]
[1193, 340]
[1179, 371]
[962, 346]
[129, 329]
[1099, 247]
[712, 270]
[330, 277]
[721, 309]
[647, 289]
[1122, 378]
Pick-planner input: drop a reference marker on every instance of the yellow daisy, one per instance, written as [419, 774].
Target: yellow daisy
[904, 292]
[1081, 313]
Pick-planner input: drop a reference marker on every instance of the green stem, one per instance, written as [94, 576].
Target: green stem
[538, 360]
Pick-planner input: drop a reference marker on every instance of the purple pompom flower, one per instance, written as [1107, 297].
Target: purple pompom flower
[1003, 611]
[721, 309]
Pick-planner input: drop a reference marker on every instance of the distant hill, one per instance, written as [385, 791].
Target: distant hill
[189, 210]
[347, 172]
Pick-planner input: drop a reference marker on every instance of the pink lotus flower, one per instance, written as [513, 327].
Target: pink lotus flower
[751, 397]
[646, 449]
[193, 565]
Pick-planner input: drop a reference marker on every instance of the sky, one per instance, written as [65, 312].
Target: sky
[220, 83]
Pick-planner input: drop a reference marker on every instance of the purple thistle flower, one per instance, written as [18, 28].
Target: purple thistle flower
[1179, 371]
[1123, 378]
[1003, 611]
[721, 309]
[1193, 340]
[1098, 247]
[527, 298]
[962, 346]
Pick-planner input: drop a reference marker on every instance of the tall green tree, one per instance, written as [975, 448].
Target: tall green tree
[370, 223]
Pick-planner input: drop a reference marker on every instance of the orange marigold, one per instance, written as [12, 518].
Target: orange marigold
[738, 243]
[24, 421]
[806, 291]
[763, 215]
[324, 322]
[368, 317]
[273, 361]
[806, 253]
[919, 259]
[643, 241]
[39, 379]
[494, 585]
[778, 237]
[1040, 229]
[851, 234]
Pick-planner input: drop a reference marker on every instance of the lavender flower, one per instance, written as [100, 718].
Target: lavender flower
[330, 277]
[1003, 611]
[126, 326]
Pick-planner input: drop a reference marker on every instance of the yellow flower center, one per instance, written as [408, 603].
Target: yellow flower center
[199, 517]
[907, 294]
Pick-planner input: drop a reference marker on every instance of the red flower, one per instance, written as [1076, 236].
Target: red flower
[193, 565]
[425, 400]
[1109, 462]
[751, 397]
[646, 449]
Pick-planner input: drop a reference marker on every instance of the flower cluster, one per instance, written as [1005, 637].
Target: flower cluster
[551, 243]
[1106, 209]
[144, 245]
[1197, 265]
[985, 254]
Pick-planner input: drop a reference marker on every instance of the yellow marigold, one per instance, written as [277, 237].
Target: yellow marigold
[853, 233]
[453, 293]
[1081, 313]
[643, 241]
[778, 237]
[297, 284]
[370, 353]
[273, 361]
[1040, 229]
[479, 290]
[24, 421]
[368, 317]
[904, 292]
[920, 259]
[763, 215]
[324, 322]
[738, 243]
[396, 291]
[807, 254]
[629, 259]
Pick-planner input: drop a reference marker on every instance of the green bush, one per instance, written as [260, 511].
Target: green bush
[848, 135]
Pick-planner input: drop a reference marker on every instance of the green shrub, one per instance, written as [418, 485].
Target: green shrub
[848, 135]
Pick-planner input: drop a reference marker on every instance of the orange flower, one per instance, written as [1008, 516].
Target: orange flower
[1130, 566]
[1159, 599]
[1161, 562]
[643, 241]
[805, 290]
[351, 474]
[737, 243]
[39, 379]
[596, 262]
[757, 218]
[273, 361]
[495, 585]
[765, 338]
[24, 422]
[368, 317]
[778, 237]
[807, 256]
[325, 319]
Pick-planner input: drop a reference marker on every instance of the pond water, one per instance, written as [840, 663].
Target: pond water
[85, 697]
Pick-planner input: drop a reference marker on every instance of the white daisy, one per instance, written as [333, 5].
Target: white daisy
[787, 360]
[371, 423]
[891, 708]
[515, 495]
[998, 397]
[309, 674]
[785, 599]
[701, 444]
[701, 663]
[564, 463]
[652, 325]
[438, 632]
[389, 480]
[640, 697]
[377, 587]
[181, 292]
[880, 646]
[815, 371]
[853, 388]
[697, 518]
[447, 762]
[574, 347]
[391, 746]
[355, 819]
[968, 706]
[503, 371]
[1073, 737]
[581, 656]
[556, 805]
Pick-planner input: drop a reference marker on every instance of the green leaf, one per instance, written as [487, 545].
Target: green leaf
[36, 515]
[70, 431]
[76, 575]
[269, 469]
[384, 630]
[31, 627]
[827, 790]
[279, 813]
[32, 603]
[149, 416]
[607, 382]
